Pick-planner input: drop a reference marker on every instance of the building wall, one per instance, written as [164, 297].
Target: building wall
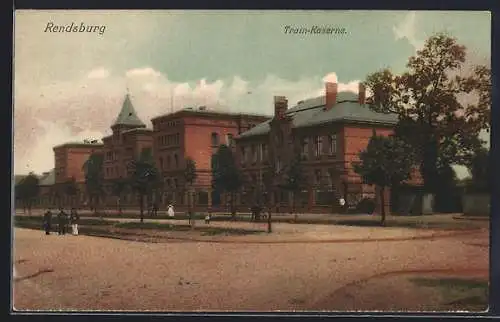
[69, 161]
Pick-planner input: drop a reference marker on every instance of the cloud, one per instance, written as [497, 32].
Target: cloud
[407, 29]
[64, 111]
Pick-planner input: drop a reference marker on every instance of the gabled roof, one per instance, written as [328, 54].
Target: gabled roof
[47, 178]
[128, 115]
[311, 112]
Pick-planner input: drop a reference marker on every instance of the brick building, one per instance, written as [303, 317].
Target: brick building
[328, 132]
[130, 136]
[196, 134]
[69, 159]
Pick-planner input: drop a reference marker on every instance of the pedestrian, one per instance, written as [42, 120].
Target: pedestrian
[74, 219]
[207, 219]
[47, 221]
[155, 209]
[61, 221]
[170, 211]
[342, 204]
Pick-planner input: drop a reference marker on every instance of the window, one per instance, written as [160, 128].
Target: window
[229, 140]
[215, 139]
[177, 139]
[263, 152]
[304, 148]
[161, 163]
[317, 176]
[168, 162]
[254, 153]
[168, 183]
[175, 183]
[278, 165]
[243, 155]
[332, 144]
[318, 146]
[176, 160]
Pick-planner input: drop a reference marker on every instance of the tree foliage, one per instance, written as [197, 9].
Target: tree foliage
[428, 99]
[226, 175]
[293, 178]
[480, 170]
[144, 177]
[27, 190]
[190, 176]
[386, 161]
[94, 177]
[70, 188]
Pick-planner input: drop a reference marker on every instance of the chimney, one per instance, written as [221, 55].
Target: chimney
[362, 94]
[331, 95]
[280, 107]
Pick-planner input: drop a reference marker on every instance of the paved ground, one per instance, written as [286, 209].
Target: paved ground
[89, 273]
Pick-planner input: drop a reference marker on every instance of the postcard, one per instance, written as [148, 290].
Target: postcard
[251, 161]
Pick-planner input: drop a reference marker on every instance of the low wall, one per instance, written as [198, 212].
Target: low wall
[477, 204]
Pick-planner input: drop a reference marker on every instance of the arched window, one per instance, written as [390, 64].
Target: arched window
[215, 139]
[168, 162]
[176, 160]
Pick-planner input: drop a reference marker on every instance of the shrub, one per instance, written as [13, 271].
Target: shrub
[366, 205]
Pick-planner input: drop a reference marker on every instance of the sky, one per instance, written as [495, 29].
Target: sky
[69, 86]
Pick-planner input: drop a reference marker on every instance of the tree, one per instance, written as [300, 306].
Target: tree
[118, 187]
[27, 190]
[70, 188]
[385, 162]
[294, 180]
[226, 175]
[94, 178]
[144, 177]
[479, 169]
[269, 177]
[426, 99]
[190, 176]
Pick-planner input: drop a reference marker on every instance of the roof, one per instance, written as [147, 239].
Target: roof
[200, 111]
[143, 129]
[311, 112]
[79, 145]
[47, 178]
[128, 115]
[19, 177]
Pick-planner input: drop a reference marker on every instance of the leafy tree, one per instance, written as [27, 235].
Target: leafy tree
[94, 178]
[27, 190]
[269, 177]
[118, 187]
[144, 177]
[294, 179]
[70, 189]
[226, 174]
[432, 119]
[190, 176]
[479, 169]
[385, 162]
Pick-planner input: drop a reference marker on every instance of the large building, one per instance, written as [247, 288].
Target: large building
[195, 134]
[328, 132]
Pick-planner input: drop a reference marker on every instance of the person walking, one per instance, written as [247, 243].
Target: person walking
[47, 221]
[74, 219]
[61, 221]
[342, 205]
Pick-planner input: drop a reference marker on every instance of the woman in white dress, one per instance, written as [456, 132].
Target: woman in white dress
[170, 211]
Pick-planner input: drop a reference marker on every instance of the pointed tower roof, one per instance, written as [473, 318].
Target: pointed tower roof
[128, 115]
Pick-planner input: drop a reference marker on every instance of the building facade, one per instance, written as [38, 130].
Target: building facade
[327, 133]
[195, 134]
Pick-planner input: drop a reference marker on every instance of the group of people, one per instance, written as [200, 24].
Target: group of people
[64, 221]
